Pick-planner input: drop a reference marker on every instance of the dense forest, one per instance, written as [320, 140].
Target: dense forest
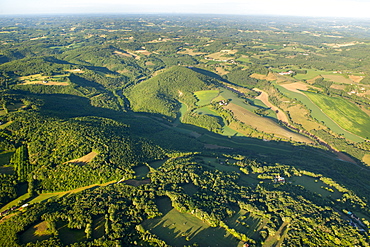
[184, 131]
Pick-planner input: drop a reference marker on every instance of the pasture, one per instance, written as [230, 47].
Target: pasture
[312, 73]
[318, 114]
[348, 116]
[37, 232]
[205, 97]
[317, 186]
[338, 79]
[180, 229]
[38, 79]
[247, 223]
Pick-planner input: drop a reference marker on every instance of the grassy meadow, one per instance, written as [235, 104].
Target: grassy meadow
[180, 229]
[205, 97]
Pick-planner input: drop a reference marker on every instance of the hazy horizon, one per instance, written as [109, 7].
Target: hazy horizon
[313, 8]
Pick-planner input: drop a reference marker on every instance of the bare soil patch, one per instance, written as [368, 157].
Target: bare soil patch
[356, 78]
[84, 159]
[122, 54]
[56, 83]
[77, 71]
[144, 52]
[297, 86]
[137, 183]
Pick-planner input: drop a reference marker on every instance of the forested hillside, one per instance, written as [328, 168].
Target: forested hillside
[183, 131]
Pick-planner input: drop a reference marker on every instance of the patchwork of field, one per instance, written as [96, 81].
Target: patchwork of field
[348, 115]
[317, 113]
[264, 124]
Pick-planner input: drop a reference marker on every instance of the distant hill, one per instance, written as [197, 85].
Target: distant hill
[163, 93]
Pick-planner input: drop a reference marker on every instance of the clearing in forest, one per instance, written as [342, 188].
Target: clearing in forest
[38, 79]
[184, 229]
[205, 97]
[84, 159]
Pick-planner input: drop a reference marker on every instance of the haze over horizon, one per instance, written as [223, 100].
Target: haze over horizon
[313, 8]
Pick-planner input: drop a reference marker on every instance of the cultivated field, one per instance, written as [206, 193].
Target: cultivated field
[297, 86]
[317, 113]
[270, 76]
[264, 124]
[348, 115]
[338, 79]
[264, 97]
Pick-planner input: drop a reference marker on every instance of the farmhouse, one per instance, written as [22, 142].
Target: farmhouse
[286, 73]
[279, 179]
[223, 102]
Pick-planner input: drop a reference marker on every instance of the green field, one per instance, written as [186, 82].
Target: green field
[344, 113]
[317, 113]
[180, 229]
[317, 186]
[5, 157]
[247, 223]
[205, 97]
[312, 73]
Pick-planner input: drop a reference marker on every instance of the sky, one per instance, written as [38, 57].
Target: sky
[314, 8]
